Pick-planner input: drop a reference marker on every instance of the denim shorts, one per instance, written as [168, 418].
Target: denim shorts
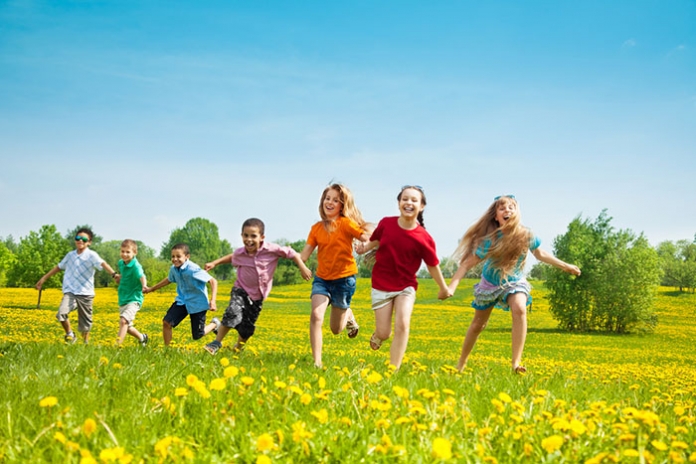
[340, 291]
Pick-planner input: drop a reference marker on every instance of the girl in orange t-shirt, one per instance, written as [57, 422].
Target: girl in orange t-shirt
[334, 279]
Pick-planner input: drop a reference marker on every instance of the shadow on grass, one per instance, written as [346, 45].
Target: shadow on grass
[542, 330]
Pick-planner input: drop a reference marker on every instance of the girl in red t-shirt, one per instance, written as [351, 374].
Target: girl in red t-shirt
[402, 245]
[334, 279]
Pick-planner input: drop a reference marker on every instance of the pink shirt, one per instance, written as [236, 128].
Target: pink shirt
[255, 272]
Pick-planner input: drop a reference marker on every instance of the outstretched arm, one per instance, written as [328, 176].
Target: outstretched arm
[306, 252]
[436, 273]
[222, 260]
[464, 266]
[213, 294]
[47, 276]
[362, 247]
[304, 270]
[157, 286]
[114, 275]
[548, 258]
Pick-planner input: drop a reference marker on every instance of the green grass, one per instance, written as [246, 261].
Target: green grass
[585, 394]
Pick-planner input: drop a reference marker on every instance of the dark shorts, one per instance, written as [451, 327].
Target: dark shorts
[339, 291]
[242, 312]
[178, 313]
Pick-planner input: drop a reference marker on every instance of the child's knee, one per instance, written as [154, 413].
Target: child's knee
[246, 332]
[166, 325]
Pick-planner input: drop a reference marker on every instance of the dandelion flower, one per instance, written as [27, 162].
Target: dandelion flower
[48, 402]
[89, 427]
[224, 362]
[218, 384]
[248, 381]
[442, 448]
[552, 443]
[263, 459]
[231, 371]
[265, 442]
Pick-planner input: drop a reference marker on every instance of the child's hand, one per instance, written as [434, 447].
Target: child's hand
[573, 269]
[208, 266]
[444, 293]
[360, 248]
[39, 284]
[146, 289]
[213, 306]
[306, 273]
[117, 278]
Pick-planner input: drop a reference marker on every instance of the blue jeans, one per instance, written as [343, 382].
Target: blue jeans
[340, 291]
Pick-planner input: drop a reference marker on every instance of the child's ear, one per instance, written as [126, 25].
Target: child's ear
[263, 237]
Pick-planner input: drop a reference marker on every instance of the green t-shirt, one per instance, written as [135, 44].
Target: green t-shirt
[130, 290]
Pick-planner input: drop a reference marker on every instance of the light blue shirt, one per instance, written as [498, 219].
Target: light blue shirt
[79, 271]
[191, 289]
[491, 273]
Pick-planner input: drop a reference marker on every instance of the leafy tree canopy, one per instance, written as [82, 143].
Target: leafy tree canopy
[38, 253]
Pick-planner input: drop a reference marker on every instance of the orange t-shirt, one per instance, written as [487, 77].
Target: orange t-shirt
[335, 249]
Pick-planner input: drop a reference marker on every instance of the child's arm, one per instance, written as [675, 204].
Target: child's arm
[47, 276]
[111, 271]
[548, 258]
[304, 270]
[436, 273]
[213, 294]
[306, 252]
[463, 268]
[157, 286]
[143, 281]
[224, 259]
[362, 247]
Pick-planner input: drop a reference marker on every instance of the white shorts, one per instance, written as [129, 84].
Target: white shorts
[381, 298]
[128, 311]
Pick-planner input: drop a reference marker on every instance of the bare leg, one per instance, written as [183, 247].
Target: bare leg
[241, 343]
[122, 330]
[66, 326]
[338, 320]
[478, 323]
[85, 337]
[383, 321]
[316, 320]
[135, 333]
[166, 333]
[222, 332]
[403, 308]
[209, 328]
[518, 308]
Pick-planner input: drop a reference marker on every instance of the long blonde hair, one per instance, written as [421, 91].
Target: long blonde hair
[508, 242]
[348, 208]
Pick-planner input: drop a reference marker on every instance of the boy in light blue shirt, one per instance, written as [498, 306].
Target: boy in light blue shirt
[191, 295]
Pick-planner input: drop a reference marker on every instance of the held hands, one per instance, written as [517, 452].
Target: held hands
[208, 266]
[360, 248]
[444, 293]
[306, 273]
[146, 289]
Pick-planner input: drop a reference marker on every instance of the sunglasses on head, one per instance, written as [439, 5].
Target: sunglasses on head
[417, 187]
[84, 239]
[503, 196]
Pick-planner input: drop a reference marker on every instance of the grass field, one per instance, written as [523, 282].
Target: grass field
[587, 397]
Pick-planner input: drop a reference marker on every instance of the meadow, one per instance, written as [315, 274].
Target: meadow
[592, 398]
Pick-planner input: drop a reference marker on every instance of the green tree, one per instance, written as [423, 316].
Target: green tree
[287, 273]
[620, 273]
[203, 239]
[7, 260]
[678, 260]
[539, 271]
[38, 253]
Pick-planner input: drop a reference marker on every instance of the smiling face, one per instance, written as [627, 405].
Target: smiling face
[505, 210]
[411, 203]
[127, 254]
[252, 238]
[332, 205]
[179, 257]
[82, 241]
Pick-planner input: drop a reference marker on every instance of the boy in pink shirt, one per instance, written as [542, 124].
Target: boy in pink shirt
[256, 263]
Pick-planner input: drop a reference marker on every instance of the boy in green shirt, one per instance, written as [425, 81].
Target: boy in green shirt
[130, 291]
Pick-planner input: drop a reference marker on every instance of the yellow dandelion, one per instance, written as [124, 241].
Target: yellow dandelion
[306, 398]
[218, 384]
[373, 377]
[248, 381]
[89, 427]
[504, 397]
[631, 453]
[263, 459]
[48, 402]
[224, 362]
[659, 445]
[322, 383]
[191, 379]
[59, 437]
[231, 371]
[322, 415]
[180, 391]
[442, 448]
[345, 421]
[280, 385]
[680, 445]
[552, 443]
[104, 361]
[400, 392]
[265, 442]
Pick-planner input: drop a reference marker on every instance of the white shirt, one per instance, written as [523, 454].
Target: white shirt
[79, 271]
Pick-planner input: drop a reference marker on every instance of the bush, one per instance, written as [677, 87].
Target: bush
[620, 274]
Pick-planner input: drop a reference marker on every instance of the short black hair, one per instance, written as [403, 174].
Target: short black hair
[183, 247]
[85, 230]
[255, 222]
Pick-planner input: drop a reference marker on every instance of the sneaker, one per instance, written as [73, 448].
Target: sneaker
[217, 323]
[352, 327]
[213, 347]
[145, 339]
[70, 338]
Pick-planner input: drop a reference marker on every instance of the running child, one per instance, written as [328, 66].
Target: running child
[191, 295]
[130, 292]
[78, 284]
[402, 245]
[334, 280]
[256, 263]
[500, 240]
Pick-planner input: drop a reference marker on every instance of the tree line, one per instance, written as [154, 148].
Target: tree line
[615, 293]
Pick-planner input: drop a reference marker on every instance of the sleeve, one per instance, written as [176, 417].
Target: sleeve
[534, 242]
[312, 238]
[482, 249]
[172, 275]
[201, 275]
[353, 228]
[64, 262]
[379, 230]
[139, 271]
[285, 252]
[430, 251]
[95, 260]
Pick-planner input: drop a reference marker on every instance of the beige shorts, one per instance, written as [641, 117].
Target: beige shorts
[381, 298]
[128, 312]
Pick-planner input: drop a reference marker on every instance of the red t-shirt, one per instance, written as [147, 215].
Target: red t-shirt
[400, 254]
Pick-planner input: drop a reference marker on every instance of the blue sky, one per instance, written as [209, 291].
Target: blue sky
[137, 116]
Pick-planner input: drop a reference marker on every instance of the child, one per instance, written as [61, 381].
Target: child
[78, 284]
[501, 241]
[256, 262]
[334, 280]
[402, 244]
[191, 295]
[130, 291]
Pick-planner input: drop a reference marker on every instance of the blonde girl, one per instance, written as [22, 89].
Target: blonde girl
[402, 245]
[500, 240]
[334, 280]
